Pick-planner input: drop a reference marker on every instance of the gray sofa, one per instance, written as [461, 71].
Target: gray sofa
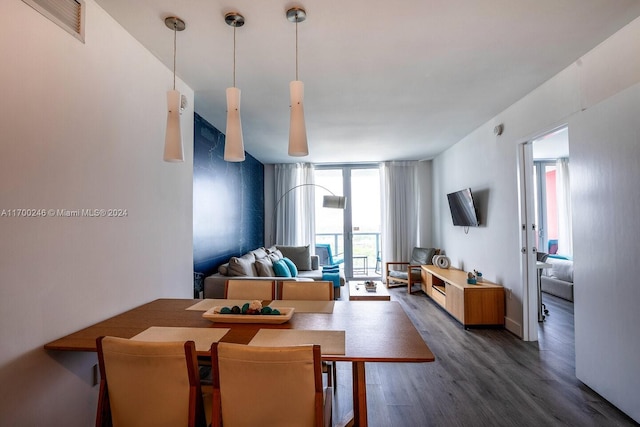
[258, 264]
[558, 280]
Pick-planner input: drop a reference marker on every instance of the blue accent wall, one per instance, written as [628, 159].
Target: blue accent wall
[228, 201]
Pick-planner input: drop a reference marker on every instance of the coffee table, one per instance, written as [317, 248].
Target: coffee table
[357, 292]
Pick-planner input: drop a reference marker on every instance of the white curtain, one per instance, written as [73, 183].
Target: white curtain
[294, 211]
[565, 229]
[399, 203]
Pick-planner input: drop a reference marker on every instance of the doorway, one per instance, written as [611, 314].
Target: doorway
[352, 233]
[545, 214]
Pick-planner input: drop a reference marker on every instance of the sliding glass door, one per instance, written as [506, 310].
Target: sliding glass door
[353, 233]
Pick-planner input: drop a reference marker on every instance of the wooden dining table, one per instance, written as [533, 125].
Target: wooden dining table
[375, 331]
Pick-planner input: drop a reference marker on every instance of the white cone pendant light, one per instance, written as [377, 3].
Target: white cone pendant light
[173, 149]
[297, 129]
[233, 144]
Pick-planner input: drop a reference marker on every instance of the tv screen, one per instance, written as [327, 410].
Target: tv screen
[463, 210]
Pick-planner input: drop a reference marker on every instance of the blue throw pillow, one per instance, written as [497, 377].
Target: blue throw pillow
[281, 269]
[292, 267]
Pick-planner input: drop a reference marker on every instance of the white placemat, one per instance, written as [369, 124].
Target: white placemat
[305, 306]
[203, 337]
[206, 304]
[331, 342]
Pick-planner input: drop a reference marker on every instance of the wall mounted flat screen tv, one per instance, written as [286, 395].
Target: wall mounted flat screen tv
[463, 210]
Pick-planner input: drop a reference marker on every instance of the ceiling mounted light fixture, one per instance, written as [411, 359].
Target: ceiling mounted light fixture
[173, 149]
[297, 129]
[233, 145]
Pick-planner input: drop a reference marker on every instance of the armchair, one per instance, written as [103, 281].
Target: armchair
[323, 250]
[410, 274]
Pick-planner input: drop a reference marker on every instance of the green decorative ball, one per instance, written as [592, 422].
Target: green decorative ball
[225, 310]
[266, 310]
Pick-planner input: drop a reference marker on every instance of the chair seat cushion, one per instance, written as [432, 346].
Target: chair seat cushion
[403, 275]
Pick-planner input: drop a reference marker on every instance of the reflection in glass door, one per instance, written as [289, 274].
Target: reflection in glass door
[353, 234]
[365, 222]
[329, 222]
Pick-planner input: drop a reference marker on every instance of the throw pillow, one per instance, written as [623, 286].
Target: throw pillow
[273, 256]
[281, 269]
[300, 255]
[291, 266]
[264, 268]
[259, 253]
[242, 266]
[224, 269]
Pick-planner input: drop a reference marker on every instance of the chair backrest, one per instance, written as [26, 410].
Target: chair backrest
[422, 256]
[324, 253]
[326, 256]
[319, 290]
[148, 383]
[250, 289]
[278, 386]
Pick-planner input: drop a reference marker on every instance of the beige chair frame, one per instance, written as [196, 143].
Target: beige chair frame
[250, 289]
[318, 290]
[278, 397]
[117, 356]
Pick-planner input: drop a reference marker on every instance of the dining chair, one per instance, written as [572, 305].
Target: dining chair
[279, 386]
[311, 291]
[250, 289]
[149, 383]
[317, 290]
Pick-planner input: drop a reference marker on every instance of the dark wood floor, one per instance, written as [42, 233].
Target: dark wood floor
[481, 377]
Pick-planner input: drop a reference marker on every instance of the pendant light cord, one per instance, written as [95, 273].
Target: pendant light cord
[175, 31]
[296, 48]
[234, 56]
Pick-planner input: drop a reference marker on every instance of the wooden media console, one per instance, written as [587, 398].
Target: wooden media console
[472, 305]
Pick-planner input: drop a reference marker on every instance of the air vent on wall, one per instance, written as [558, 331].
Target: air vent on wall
[68, 14]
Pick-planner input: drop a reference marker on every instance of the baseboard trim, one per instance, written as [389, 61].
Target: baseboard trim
[513, 327]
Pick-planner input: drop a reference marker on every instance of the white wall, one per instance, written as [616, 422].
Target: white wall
[603, 143]
[81, 126]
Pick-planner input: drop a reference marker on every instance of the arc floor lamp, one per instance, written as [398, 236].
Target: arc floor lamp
[329, 201]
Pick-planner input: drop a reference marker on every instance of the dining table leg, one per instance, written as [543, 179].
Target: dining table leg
[359, 395]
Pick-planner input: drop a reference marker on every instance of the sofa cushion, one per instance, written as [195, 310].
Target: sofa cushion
[300, 255]
[291, 266]
[264, 268]
[242, 266]
[274, 256]
[281, 269]
[259, 253]
[561, 269]
[224, 269]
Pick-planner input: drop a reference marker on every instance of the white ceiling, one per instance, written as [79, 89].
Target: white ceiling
[383, 80]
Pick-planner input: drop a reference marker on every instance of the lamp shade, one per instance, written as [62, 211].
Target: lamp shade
[233, 144]
[334, 202]
[297, 128]
[173, 150]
